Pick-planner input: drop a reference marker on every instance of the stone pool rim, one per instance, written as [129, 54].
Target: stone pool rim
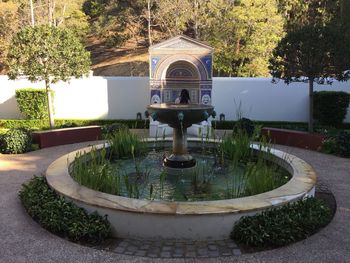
[301, 184]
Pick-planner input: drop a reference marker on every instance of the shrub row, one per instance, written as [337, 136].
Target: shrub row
[62, 217]
[282, 226]
[60, 123]
[330, 107]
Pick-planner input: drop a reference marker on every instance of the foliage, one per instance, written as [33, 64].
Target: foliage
[124, 144]
[330, 107]
[109, 129]
[251, 31]
[245, 125]
[282, 226]
[300, 13]
[9, 23]
[62, 217]
[49, 54]
[312, 53]
[96, 173]
[61, 123]
[338, 143]
[32, 103]
[77, 21]
[15, 141]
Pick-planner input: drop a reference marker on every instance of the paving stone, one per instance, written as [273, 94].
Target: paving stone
[190, 254]
[141, 253]
[165, 254]
[214, 253]
[124, 243]
[231, 244]
[236, 252]
[132, 248]
[120, 249]
[145, 246]
[167, 248]
[212, 247]
[202, 252]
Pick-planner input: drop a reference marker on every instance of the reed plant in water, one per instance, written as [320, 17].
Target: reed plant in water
[123, 144]
[94, 170]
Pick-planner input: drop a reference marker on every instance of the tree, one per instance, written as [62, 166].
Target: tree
[9, 24]
[313, 53]
[243, 33]
[49, 54]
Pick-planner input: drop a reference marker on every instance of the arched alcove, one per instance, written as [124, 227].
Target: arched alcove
[180, 63]
[180, 75]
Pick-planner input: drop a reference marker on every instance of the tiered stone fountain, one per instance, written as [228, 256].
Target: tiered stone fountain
[180, 117]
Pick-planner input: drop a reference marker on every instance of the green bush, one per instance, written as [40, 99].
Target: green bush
[330, 107]
[109, 129]
[337, 143]
[245, 125]
[62, 217]
[15, 141]
[32, 103]
[281, 226]
[43, 125]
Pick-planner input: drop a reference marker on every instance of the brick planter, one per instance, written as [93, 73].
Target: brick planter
[294, 138]
[66, 136]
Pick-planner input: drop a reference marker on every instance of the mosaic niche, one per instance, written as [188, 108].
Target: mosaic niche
[180, 63]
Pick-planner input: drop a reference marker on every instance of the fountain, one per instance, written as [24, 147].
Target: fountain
[180, 117]
[176, 64]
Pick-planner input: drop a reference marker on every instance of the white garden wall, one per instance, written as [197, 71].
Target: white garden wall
[123, 97]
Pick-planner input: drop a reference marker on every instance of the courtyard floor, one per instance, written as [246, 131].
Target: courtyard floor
[23, 240]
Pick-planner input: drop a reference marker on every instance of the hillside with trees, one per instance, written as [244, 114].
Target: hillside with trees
[244, 33]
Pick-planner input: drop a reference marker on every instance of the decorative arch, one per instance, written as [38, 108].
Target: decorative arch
[166, 62]
[177, 63]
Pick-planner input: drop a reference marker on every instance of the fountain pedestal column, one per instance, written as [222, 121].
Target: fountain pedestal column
[180, 117]
[179, 158]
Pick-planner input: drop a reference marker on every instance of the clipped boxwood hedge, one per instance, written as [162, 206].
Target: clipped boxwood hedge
[62, 217]
[282, 226]
[32, 103]
[330, 107]
[43, 124]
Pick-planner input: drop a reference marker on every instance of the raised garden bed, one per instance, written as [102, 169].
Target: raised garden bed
[56, 137]
[299, 139]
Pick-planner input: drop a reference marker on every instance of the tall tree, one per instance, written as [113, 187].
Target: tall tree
[312, 53]
[9, 24]
[243, 33]
[49, 54]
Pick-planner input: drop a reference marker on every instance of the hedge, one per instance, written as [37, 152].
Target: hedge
[60, 123]
[32, 103]
[64, 218]
[284, 225]
[330, 107]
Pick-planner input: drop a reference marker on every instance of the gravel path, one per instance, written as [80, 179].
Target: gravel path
[23, 240]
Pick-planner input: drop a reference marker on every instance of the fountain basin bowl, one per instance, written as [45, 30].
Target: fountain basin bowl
[175, 114]
[199, 220]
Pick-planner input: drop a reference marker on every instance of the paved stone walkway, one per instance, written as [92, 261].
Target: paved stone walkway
[176, 248]
[23, 240]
